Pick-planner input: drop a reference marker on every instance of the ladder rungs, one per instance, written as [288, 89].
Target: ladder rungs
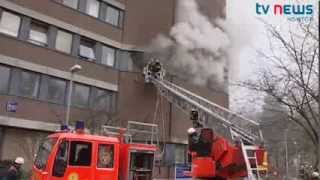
[252, 148]
[252, 158]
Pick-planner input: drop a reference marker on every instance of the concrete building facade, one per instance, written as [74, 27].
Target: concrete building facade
[41, 40]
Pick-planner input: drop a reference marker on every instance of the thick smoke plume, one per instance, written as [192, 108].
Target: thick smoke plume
[195, 48]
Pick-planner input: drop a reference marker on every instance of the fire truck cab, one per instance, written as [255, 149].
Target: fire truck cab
[80, 156]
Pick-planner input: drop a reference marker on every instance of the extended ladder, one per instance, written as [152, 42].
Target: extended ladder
[222, 120]
[211, 114]
[250, 158]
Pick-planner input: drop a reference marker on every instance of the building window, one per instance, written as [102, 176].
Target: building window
[10, 24]
[100, 99]
[80, 95]
[52, 89]
[71, 3]
[180, 153]
[80, 153]
[86, 50]
[108, 56]
[4, 79]
[24, 83]
[63, 41]
[38, 34]
[93, 8]
[105, 156]
[112, 16]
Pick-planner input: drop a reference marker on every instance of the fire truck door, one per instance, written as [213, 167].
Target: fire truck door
[60, 161]
[73, 161]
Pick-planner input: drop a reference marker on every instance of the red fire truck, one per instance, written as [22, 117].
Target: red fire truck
[222, 144]
[75, 155]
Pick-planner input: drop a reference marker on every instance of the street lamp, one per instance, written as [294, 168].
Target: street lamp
[75, 68]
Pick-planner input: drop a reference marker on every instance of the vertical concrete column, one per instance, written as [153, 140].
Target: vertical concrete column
[103, 11]
[75, 45]
[24, 28]
[83, 5]
[98, 52]
[52, 35]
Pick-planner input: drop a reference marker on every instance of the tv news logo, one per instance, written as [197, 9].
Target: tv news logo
[294, 12]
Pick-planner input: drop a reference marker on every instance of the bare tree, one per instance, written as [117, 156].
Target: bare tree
[290, 76]
[102, 112]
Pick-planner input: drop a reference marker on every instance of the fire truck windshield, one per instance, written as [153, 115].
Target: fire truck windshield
[43, 153]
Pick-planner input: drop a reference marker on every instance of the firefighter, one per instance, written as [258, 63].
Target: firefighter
[315, 175]
[13, 171]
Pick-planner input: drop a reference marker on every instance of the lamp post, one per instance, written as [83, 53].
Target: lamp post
[75, 68]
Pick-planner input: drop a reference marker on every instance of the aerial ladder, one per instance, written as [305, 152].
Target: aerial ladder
[229, 125]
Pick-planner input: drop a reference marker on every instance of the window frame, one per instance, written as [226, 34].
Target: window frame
[93, 95]
[13, 13]
[73, 94]
[53, 143]
[98, 8]
[88, 41]
[37, 88]
[114, 55]
[42, 25]
[46, 77]
[67, 142]
[91, 146]
[113, 155]
[56, 38]
[118, 17]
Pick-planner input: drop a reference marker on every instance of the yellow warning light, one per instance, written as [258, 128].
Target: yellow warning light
[73, 176]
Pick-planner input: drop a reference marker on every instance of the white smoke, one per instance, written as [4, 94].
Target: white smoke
[196, 48]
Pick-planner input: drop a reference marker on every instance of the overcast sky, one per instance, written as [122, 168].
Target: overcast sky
[250, 35]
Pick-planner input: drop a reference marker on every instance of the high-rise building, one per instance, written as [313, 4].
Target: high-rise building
[40, 40]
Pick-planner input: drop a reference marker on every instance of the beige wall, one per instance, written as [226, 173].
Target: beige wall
[23, 143]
